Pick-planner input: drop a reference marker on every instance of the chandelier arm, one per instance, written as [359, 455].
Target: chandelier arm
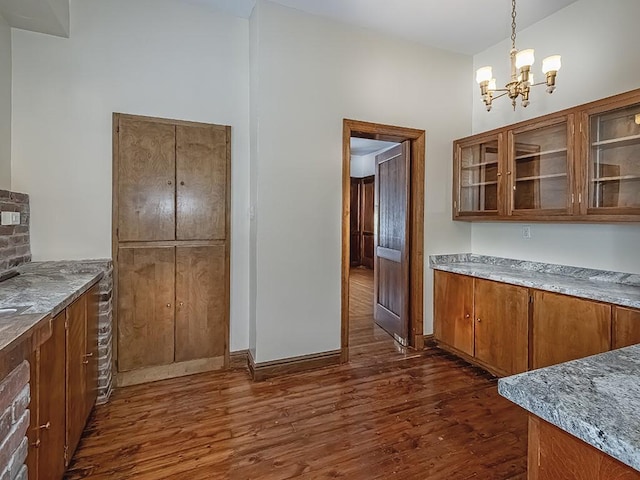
[502, 94]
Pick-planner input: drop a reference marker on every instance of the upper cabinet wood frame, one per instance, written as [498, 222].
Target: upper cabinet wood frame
[578, 203]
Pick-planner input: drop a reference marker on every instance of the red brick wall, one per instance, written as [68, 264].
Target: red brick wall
[15, 248]
[14, 421]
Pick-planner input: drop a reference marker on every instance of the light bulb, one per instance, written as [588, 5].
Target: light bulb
[492, 85]
[531, 81]
[524, 58]
[551, 64]
[484, 74]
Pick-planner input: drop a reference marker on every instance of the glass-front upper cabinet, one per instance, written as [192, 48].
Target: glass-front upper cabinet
[478, 171]
[540, 171]
[613, 160]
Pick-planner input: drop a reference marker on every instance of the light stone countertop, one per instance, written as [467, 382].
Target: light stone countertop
[617, 288]
[596, 399]
[47, 288]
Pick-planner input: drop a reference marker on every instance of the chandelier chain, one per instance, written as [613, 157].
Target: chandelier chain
[513, 24]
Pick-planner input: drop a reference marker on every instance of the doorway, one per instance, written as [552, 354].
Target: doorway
[395, 248]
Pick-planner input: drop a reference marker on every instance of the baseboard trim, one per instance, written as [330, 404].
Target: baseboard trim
[239, 360]
[265, 370]
[163, 372]
[428, 340]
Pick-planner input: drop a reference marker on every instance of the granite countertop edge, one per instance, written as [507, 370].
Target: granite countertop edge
[598, 436]
[75, 295]
[598, 291]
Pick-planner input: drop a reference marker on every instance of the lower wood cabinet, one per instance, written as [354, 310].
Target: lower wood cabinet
[63, 388]
[172, 311]
[566, 328]
[483, 319]
[509, 329]
[626, 327]
[502, 326]
[453, 310]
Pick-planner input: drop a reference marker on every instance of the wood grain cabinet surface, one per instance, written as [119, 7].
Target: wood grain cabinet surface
[171, 242]
[626, 327]
[578, 164]
[566, 328]
[453, 311]
[64, 386]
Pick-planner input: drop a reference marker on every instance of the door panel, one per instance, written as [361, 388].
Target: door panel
[52, 402]
[201, 306]
[391, 272]
[201, 176]
[146, 293]
[502, 325]
[146, 178]
[566, 328]
[76, 380]
[33, 433]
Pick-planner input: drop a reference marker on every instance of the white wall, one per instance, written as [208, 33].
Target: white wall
[150, 57]
[597, 41]
[313, 73]
[5, 105]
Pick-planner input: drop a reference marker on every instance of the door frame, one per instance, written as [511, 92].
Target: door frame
[377, 131]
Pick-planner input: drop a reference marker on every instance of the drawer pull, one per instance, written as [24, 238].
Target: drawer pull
[467, 316]
[168, 305]
[36, 444]
[46, 426]
[479, 320]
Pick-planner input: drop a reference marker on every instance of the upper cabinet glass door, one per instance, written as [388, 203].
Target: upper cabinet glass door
[613, 162]
[540, 173]
[477, 176]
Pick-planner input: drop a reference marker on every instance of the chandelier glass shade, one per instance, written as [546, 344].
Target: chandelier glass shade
[521, 79]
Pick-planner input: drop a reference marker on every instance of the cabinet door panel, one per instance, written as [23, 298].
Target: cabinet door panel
[33, 433]
[201, 174]
[76, 381]
[566, 328]
[626, 330]
[52, 402]
[501, 330]
[453, 310]
[202, 308]
[146, 181]
[146, 281]
[91, 360]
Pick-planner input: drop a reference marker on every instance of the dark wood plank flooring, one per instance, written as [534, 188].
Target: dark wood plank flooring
[390, 413]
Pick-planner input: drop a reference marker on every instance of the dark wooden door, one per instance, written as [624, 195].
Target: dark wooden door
[502, 326]
[453, 310]
[52, 402]
[201, 307]
[146, 181]
[566, 328]
[76, 380]
[391, 271]
[367, 202]
[201, 176]
[146, 295]
[355, 225]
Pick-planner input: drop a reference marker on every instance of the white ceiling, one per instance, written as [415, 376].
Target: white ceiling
[464, 26]
[44, 16]
[364, 146]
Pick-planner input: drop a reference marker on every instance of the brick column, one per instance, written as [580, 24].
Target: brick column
[14, 422]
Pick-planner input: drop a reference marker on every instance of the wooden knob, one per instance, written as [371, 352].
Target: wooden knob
[499, 174]
[169, 182]
[467, 316]
[479, 320]
[181, 183]
[168, 305]
[181, 304]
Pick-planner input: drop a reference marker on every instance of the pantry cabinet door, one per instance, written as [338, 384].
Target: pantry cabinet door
[145, 181]
[146, 294]
[502, 325]
[202, 169]
[201, 303]
[76, 381]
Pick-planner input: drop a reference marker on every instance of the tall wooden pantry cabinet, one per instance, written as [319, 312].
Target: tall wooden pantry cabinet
[171, 239]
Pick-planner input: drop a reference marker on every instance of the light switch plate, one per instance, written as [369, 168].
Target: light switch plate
[526, 232]
[10, 218]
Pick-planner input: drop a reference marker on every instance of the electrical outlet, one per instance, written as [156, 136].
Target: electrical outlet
[10, 218]
[526, 232]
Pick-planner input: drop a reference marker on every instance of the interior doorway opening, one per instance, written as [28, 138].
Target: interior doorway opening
[382, 234]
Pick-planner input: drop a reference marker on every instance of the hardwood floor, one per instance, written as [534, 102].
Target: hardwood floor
[389, 413]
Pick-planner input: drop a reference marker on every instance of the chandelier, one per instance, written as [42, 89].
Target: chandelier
[521, 76]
